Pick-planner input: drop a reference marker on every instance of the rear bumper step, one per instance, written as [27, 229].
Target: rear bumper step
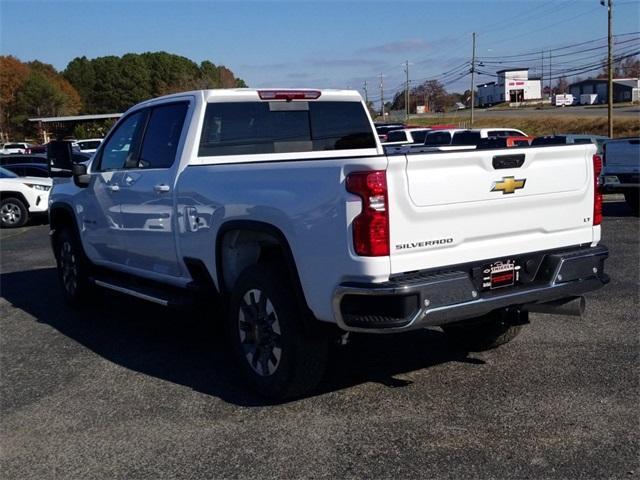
[432, 299]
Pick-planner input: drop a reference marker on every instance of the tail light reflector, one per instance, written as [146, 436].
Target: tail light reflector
[597, 193]
[371, 226]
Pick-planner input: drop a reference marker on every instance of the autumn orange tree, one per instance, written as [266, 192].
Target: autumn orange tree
[32, 89]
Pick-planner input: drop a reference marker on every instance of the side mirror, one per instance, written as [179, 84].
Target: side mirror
[59, 158]
[80, 176]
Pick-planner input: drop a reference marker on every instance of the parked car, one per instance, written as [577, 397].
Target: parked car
[89, 145]
[383, 129]
[36, 149]
[21, 198]
[78, 157]
[310, 231]
[42, 149]
[15, 147]
[15, 159]
[406, 136]
[570, 139]
[81, 157]
[29, 169]
[437, 138]
[621, 170]
[504, 142]
[474, 136]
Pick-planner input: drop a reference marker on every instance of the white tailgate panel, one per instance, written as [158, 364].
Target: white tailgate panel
[447, 197]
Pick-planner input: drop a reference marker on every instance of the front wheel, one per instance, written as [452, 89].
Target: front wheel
[73, 268]
[278, 357]
[13, 213]
[487, 332]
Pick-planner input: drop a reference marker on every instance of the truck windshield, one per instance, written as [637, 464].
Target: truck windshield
[243, 128]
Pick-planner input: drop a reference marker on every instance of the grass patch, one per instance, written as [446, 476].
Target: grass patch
[622, 127]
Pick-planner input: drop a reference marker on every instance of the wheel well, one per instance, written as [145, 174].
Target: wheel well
[241, 244]
[241, 248]
[18, 195]
[60, 217]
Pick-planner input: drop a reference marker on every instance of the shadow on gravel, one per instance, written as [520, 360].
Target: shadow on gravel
[186, 349]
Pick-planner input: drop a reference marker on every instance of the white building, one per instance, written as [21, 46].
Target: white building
[513, 85]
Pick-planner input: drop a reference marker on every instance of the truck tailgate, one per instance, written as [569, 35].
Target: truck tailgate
[456, 207]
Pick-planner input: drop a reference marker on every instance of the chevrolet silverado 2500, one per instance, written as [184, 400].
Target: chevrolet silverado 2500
[284, 204]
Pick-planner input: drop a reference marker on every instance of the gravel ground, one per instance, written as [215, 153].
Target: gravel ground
[128, 390]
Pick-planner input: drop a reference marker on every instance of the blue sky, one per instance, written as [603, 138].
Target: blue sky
[312, 44]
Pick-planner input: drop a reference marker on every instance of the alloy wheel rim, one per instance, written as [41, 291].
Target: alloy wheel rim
[260, 334]
[10, 213]
[68, 267]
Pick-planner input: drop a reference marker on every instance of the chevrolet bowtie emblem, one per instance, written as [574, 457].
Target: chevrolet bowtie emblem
[508, 185]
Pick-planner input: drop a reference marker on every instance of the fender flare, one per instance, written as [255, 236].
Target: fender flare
[53, 225]
[275, 232]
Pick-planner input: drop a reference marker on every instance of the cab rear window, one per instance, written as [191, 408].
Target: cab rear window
[245, 128]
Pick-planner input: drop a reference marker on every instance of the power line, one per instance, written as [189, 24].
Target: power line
[541, 29]
[534, 52]
[532, 57]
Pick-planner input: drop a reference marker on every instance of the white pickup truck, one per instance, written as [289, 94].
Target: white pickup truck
[283, 204]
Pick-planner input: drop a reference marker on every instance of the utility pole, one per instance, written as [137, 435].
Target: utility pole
[366, 95]
[473, 78]
[382, 96]
[406, 94]
[609, 65]
[542, 80]
[550, 77]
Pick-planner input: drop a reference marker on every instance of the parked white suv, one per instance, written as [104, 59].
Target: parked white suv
[21, 197]
[89, 145]
[13, 148]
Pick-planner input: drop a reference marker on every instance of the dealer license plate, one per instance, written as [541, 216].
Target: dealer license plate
[500, 274]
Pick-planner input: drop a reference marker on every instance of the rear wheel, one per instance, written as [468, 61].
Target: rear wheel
[487, 332]
[277, 356]
[13, 213]
[73, 268]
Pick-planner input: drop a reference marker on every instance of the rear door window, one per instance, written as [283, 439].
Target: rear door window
[244, 128]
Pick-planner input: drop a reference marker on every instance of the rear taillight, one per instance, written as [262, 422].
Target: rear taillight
[597, 193]
[371, 226]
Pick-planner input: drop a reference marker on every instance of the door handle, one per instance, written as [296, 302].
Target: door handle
[113, 188]
[162, 188]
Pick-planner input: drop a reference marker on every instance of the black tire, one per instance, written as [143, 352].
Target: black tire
[633, 200]
[487, 332]
[277, 356]
[13, 213]
[73, 269]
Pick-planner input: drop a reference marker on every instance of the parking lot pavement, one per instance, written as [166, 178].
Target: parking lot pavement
[128, 390]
